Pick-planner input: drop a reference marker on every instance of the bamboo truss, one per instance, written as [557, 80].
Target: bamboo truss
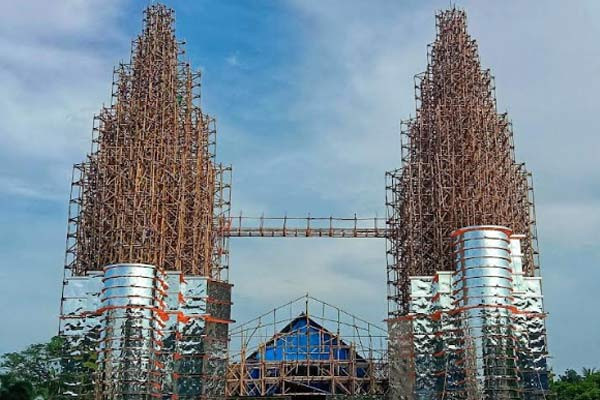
[458, 165]
[329, 227]
[341, 355]
[150, 190]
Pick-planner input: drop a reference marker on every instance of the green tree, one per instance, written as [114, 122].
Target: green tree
[572, 386]
[15, 390]
[32, 372]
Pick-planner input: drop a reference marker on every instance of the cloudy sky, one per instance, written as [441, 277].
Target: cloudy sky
[308, 97]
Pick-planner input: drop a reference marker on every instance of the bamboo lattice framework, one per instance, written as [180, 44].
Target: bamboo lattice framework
[333, 352]
[308, 227]
[150, 191]
[458, 165]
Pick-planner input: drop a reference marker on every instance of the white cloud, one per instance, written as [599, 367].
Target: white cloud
[573, 224]
[233, 60]
[357, 85]
[55, 68]
[354, 83]
[45, 20]
[53, 81]
[16, 187]
[344, 272]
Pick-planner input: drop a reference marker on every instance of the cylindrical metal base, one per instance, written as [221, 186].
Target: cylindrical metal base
[483, 294]
[130, 297]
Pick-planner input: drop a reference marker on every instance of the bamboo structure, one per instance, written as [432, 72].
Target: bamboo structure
[305, 348]
[149, 197]
[279, 227]
[151, 203]
[150, 190]
[458, 165]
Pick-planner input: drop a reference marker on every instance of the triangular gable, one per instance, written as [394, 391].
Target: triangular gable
[303, 339]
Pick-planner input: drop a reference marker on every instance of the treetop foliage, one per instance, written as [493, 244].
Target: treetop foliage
[35, 373]
[573, 386]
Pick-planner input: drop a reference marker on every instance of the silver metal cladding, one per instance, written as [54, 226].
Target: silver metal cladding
[134, 331]
[477, 332]
[131, 296]
[530, 333]
[483, 293]
[79, 330]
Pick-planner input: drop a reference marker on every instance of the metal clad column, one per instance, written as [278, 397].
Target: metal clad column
[530, 328]
[130, 298]
[423, 334]
[483, 293]
[80, 329]
[401, 356]
[448, 373]
[218, 308]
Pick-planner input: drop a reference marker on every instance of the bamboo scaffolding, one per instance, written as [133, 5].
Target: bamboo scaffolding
[458, 165]
[307, 365]
[150, 190]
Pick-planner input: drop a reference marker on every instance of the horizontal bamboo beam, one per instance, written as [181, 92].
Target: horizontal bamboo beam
[304, 227]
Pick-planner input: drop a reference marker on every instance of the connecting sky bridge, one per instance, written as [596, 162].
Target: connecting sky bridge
[313, 227]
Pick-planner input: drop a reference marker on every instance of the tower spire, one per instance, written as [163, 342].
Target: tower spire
[148, 190]
[458, 163]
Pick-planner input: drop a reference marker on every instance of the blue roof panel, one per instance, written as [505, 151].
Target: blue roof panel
[303, 339]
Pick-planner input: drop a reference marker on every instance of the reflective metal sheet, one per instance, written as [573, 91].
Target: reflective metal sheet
[79, 330]
[147, 333]
[443, 283]
[135, 270]
[126, 352]
[477, 332]
[401, 352]
[516, 261]
[477, 262]
[489, 358]
[530, 332]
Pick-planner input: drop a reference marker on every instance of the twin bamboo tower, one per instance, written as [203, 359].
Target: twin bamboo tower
[458, 165]
[151, 193]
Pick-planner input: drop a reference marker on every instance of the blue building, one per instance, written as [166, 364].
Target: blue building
[303, 358]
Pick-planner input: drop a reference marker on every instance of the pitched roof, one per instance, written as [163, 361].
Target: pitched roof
[303, 339]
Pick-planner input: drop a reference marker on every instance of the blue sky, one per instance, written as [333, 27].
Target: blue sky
[308, 97]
